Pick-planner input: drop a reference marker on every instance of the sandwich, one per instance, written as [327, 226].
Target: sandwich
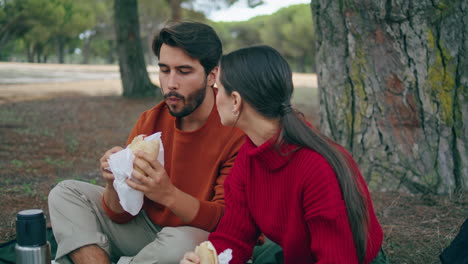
[207, 253]
[151, 147]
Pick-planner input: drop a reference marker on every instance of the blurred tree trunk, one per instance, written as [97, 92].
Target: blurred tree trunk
[29, 52]
[61, 50]
[111, 53]
[135, 79]
[86, 50]
[393, 78]
[38, 53]
[176, 9]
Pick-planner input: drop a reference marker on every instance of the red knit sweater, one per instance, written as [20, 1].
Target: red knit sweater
[295, 200]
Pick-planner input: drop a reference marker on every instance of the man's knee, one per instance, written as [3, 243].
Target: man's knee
[186, 236]
[73, 190]
[172, 243]
[59, 192]
[180, 240]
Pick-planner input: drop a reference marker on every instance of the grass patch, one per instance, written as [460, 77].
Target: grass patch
[17, 163]
[10, 117]
[59, 162]
[71, 143]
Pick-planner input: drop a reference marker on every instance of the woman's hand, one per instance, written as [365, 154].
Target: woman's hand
[190, 258]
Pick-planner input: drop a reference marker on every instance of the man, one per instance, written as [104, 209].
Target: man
[184, 200]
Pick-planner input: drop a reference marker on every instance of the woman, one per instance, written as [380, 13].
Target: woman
[289, 182]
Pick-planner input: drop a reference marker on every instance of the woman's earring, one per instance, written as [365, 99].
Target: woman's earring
[235, 112]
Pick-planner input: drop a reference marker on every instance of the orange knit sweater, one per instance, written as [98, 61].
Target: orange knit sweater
[197, 162]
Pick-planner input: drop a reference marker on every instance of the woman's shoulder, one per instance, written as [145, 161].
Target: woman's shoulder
[311, 155]
[314, 166]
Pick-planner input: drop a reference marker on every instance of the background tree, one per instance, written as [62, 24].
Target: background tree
[287, 30]
[75, 18]
[43, 26]
[18, 18]
[135, 79]
[393, 80]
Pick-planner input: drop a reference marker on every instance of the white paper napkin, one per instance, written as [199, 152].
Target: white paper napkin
[121, 165]
[225, 256]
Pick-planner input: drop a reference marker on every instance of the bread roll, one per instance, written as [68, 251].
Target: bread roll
[150, 147]
[207, 253]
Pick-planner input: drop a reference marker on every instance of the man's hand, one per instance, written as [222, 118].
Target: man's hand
[156, 185]
[190, 258]
[110, 195]
[106, 173]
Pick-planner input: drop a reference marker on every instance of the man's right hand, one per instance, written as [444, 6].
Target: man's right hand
[105, 171]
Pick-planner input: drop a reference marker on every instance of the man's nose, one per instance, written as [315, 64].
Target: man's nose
[172, 83]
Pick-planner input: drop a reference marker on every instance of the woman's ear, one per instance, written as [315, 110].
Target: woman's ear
[211, 78]
[237, 101]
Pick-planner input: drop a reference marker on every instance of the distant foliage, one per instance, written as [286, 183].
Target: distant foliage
[290, 30]
[67, 31]
[74, 31]
[39, 28]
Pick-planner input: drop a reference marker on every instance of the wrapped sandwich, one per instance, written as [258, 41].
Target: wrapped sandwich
[207, 253]
[151, 147]
[121, 165]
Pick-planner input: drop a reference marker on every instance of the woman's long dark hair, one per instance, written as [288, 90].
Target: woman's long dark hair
[263, 78]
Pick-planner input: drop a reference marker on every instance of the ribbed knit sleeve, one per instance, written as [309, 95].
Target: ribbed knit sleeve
[236, 230]
[326, 215]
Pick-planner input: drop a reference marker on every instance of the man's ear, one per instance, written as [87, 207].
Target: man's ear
[211, 78]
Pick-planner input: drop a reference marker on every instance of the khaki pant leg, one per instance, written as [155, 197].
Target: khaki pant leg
[169, 246]
[78, 219]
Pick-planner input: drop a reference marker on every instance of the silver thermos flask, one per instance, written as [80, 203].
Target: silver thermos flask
[32, 246]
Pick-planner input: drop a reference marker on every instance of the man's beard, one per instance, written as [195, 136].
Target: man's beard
[191, 102]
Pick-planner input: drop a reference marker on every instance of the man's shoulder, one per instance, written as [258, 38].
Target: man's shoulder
[156, 117]
[158, 109]
[157, 113]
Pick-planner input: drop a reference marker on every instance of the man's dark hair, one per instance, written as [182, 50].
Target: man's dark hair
[198, 40]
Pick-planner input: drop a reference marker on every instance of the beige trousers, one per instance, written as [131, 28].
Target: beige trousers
[78, 219]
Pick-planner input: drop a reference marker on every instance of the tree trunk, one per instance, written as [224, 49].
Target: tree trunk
[393, 78]
[39, 53]
[111, 53]
[61, 50]
[86, 50]
[176, 9]
[30, 52]
[133, 73]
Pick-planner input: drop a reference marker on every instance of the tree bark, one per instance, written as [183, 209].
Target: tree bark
[176, 9]
[86, 50]
[135, 79]
[30, 52]
[393, 78]
[61, 50]
[111, 53]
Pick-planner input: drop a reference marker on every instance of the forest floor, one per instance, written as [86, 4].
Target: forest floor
[53, 129]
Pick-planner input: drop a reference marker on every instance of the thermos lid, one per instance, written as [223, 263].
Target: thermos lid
[31, 228]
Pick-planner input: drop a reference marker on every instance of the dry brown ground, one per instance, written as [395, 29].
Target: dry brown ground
[58, 135]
